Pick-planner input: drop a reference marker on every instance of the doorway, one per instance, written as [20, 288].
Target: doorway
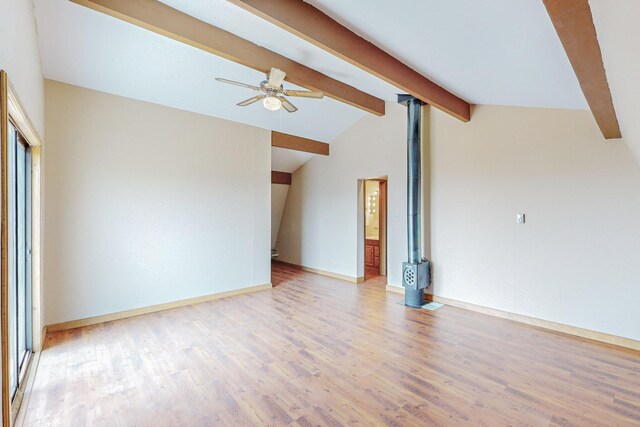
[375, 229]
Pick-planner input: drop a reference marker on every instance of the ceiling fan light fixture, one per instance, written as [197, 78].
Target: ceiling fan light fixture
[271, 91]
[272, 103]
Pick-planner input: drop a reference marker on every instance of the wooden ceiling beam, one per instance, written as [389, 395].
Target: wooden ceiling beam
[314, 26]
[278, 177]
[573, 22]
[292, 142]
[162, 19]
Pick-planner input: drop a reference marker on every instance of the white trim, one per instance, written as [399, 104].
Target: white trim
[21, 118]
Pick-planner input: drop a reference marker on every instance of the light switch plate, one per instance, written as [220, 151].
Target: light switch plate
[520, 218]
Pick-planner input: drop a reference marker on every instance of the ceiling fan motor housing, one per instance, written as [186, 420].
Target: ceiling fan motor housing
[273, 94]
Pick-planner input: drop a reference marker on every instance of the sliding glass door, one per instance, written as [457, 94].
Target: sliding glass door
[19, 240]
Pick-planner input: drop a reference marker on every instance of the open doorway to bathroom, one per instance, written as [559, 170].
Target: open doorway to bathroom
[375, 229]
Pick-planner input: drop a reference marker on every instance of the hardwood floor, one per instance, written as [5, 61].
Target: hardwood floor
[371, 273]
[319, 351]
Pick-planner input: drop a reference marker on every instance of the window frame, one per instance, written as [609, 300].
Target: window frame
[11, 110]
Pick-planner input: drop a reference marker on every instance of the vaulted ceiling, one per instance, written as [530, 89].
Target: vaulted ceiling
[504, 52]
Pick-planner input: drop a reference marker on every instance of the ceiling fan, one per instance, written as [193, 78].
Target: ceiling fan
[272, 92]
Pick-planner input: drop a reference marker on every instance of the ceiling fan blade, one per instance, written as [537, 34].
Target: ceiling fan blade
[304, 93]
[276, 77]
[288, 105]
[251, 100]
[231, 82]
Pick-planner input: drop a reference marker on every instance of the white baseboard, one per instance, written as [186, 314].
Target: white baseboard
[395, 289]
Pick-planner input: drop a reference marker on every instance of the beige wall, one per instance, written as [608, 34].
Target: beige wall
[575, 261]
[147, 204]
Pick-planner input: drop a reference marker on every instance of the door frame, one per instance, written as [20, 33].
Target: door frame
[384, 188]
[11, 109]
[383, 228]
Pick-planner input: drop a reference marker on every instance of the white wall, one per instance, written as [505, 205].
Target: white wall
[20, 58]
[575, 261]
[147, 204]
[278, 199]
[321, 221]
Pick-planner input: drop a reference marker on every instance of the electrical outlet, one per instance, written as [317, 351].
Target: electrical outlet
[520, 218]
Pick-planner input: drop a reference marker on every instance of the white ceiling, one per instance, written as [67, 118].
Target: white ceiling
[500, 52]
[284, 160]
[497, 52]
[618, 34]
[82, 47]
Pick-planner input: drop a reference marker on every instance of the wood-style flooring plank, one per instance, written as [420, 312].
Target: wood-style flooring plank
[320, 351]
